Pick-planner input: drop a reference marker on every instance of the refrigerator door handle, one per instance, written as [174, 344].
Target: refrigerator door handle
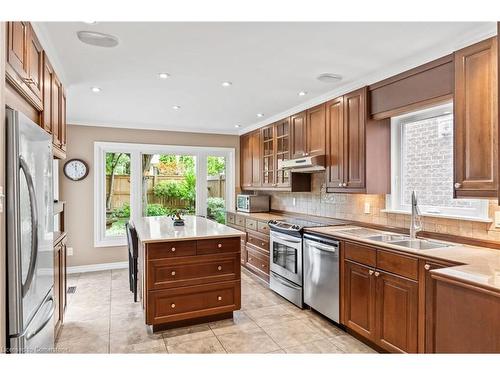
[30, 335]
[34, 222]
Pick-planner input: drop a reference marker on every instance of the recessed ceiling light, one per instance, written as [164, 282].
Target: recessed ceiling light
[90, 22]
[226, 84]
[97, 39]
[163, 75]
[329, 78]
[260, 115]
[96, 89]
[237, 126]
[302, 93]
[176, 107]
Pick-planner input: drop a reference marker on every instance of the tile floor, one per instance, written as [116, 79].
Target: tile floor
[101, 317]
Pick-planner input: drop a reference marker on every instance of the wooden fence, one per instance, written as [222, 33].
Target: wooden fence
[216, 186]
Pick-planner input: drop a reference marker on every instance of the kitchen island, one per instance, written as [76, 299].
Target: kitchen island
[188, 274]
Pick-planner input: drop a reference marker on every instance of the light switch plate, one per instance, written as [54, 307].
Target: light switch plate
[69, 251]
[367, 207]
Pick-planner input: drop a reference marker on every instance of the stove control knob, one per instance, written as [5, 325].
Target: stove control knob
[295, 227]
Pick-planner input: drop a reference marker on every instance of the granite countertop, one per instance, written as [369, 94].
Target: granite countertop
[272, 215]
[478, 266]
[162, 229]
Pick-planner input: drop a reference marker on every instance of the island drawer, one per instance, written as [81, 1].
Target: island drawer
[258, 260]
[171, 273]
[258, 240]
[360, 254]
[397, 264]
[263, 227]
[218, 245]
[171, 249]
[168, 305]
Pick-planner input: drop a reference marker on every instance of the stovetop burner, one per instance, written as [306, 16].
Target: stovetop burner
[295, 226]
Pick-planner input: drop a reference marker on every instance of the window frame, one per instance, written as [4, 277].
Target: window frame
[136, 151]
[394, 204]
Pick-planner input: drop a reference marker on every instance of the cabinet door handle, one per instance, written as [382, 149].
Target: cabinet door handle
[377, 274]
[458, 185]
[172, 305]
[219, 245]
[427, 267]
[340, 184]
[344, 184]
[370, 272]
[219, 298]
[173, 249]
[28, 81]
[219, 268]
[173, 273]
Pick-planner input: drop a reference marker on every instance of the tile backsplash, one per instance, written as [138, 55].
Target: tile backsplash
[351, 207]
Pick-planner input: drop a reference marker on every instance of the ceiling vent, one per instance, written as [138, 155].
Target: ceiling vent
[97, 39]
[329, 78]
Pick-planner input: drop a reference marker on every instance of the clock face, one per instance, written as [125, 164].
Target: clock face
[76, 169]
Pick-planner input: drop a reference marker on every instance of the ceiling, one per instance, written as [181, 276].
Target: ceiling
[267, 63]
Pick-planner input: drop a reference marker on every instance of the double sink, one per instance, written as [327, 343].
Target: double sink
[393, 239]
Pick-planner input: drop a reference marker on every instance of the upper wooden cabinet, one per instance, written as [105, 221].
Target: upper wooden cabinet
[299, 135]
[358, 149]
[315, 130]
[308, 129]
[33, 85]
[282, 131]
[24, 62]
[268, 148]
[476, 120]
[250, 160]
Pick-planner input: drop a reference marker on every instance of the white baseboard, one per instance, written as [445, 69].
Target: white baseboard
[97, 267]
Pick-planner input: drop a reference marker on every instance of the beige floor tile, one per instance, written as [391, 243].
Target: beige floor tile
[193, 333]
[127, 321]
[292, 333]
[135, 339]
[205, 345]
[75, 330]
[349, 344]
[270, 315]
[87, 345]
[315, 347]
[241, 322]
[255, 301]
[125, 307]
[248, 342]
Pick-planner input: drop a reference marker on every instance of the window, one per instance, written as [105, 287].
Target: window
[422, 160]
[134, 180]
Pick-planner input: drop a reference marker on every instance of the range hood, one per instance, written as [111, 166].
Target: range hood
[305, 164]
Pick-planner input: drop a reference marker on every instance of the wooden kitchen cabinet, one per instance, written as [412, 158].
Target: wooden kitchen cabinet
[359, 299]
[358, 149]
[476, 120]
[396, 313]
[268, 148]
[55, 112]
[282, 130]
[60, 281]
[24, 62]
[245, 162]
[299, 135]
[316, 130]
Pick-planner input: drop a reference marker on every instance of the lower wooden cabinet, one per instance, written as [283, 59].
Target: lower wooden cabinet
[396, 313]
[359, 299]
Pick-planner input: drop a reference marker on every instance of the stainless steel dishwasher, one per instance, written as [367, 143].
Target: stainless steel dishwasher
[321, 275]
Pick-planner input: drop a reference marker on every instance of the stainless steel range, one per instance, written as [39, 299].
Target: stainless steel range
[286, 256]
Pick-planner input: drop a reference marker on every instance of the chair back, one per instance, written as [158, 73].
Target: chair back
[133, 242]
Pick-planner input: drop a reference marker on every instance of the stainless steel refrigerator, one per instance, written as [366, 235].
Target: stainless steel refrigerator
[30, 259]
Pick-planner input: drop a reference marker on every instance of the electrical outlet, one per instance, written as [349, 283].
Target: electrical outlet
[69, 251]
[367, 207]
[294, 200]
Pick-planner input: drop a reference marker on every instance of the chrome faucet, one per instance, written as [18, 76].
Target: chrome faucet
[415, 223]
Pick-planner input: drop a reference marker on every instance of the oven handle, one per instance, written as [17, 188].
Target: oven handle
[286, 239]
[284, 281]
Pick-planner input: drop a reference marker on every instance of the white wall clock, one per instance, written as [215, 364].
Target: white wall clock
[76, 169]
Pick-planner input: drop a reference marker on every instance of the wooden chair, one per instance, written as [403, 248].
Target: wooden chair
[133, 251]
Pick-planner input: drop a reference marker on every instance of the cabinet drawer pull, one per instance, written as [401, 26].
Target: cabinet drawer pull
[173, 273]
[172, 305]
[219, 268]
[377, 274]
[427, 267]
[458, 185]
[370, 272]
[173, 249]
[219, 298]
[262, 243]
[219, 245]
[344, 184]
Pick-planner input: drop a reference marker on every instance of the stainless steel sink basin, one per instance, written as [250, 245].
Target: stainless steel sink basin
[420, 244]
[388, 237]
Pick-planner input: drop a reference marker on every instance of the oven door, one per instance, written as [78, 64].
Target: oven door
[286, 256]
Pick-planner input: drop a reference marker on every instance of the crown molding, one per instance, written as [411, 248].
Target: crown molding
[482, 32]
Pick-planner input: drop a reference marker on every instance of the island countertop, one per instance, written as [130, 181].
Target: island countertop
[162, 229]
